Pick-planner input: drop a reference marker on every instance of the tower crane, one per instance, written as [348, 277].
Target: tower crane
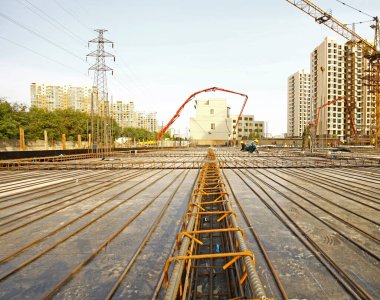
[371, 52]
[191, 97]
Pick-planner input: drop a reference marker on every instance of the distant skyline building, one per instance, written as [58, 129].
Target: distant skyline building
[299, 103]
[124, 113]
[146, 120]
[53, 97]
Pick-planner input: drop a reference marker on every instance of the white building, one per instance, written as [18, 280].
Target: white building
[212, 123]
[146, 120]
[247, 127]
[52, 97]
[337, 71]
[327, 83]
[299, 103]
[259, 129]
[124, 113]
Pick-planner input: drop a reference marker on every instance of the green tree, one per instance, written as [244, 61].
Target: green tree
[12, 117]
[166, 135]
[68, 121]
[138, 133]
[40, 120]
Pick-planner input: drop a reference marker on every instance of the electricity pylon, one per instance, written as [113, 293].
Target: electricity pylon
[99, 102]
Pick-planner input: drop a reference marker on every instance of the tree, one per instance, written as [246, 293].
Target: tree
[67, 121]
[166, 135]
[12, 116]
[138, 133]
[254, 135]
[40, 120]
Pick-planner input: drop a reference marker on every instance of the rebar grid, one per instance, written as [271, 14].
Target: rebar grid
[210, 204]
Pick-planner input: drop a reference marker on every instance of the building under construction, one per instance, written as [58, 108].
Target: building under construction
[344, 85]
[191, 223]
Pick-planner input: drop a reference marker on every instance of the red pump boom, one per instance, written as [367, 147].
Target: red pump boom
[213, 89]
[352, 119]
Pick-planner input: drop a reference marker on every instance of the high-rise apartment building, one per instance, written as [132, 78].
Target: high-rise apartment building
[299, 103]
[52, 97]
[360, 103]
[337, 71]
[124, 113]
[146, 120]
[327, 69]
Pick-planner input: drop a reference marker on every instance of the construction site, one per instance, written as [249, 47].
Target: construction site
[197, 223]
[221, 215]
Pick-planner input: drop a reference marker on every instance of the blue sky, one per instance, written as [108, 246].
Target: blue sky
[165, 50]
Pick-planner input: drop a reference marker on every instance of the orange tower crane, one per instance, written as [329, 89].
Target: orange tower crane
[213, 89]
[371, 50]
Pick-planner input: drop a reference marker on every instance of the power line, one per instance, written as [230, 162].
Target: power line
[40, 54]
[133, 77]
[358, 10]
[132, 91]
[72, 15]
[40, 36]
[355, 23]
[117, 79]
[131, 88]
[52, 21]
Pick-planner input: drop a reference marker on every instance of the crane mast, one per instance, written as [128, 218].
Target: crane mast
[371, 50]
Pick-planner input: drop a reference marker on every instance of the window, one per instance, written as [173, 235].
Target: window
[211, 112]
[212, 125]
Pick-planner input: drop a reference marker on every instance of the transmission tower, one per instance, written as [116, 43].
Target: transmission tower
[99, 102]
[100, 68]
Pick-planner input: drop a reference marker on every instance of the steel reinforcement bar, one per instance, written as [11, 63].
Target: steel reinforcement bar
[184, 164]
[212, 258]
